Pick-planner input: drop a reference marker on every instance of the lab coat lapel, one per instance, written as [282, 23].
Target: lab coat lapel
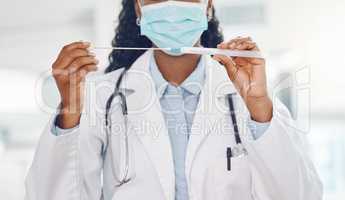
[146, 118]
[210, 110]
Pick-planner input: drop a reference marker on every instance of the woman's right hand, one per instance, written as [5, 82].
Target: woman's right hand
[74, 62]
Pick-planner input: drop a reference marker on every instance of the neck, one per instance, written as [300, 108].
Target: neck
[175, 69]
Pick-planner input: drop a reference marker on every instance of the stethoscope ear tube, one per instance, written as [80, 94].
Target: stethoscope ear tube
[112, 96]
[233, 119]
[238, 150]
[107, 109]
[123, 103]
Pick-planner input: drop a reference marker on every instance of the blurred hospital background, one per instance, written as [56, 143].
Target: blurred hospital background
[303, 40]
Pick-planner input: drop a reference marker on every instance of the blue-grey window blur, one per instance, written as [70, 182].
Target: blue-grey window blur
[303, 41]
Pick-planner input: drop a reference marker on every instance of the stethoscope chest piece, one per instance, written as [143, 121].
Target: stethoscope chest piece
[239, 151]
[236, 151]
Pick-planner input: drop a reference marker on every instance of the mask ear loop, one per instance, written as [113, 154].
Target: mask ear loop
[209, 10]
[137, 21]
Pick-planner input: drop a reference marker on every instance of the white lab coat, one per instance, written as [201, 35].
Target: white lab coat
[76, 166]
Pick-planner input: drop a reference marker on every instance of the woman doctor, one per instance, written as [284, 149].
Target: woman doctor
[175, 142]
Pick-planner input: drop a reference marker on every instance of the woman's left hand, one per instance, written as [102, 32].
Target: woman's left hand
[249, 77]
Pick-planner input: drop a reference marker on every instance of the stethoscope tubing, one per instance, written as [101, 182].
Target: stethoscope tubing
[108, 122]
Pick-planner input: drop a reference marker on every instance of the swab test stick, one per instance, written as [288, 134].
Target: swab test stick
[128, 48]
[193, 50]
[226, 52]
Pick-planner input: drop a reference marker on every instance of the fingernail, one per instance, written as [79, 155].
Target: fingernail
[232, 45]
[97, 61]
[87, 43]
[220, 62]
[92, 54]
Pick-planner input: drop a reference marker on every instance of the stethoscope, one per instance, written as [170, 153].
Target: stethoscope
[237, 150]
[123, 102]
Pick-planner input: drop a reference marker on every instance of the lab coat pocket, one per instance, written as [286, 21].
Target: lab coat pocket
[230, 184]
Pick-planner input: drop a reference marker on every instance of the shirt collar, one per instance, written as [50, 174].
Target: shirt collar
[193, 83]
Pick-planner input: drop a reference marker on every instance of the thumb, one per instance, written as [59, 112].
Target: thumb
[229, 65]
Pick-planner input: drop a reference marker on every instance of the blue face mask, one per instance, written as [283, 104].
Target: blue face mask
[174, 24]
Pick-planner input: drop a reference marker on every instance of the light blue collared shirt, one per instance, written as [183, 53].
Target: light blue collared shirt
[178, 105]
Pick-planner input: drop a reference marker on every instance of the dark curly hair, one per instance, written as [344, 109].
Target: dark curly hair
[127, 34]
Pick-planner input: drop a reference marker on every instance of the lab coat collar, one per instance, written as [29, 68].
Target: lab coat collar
[216, 75]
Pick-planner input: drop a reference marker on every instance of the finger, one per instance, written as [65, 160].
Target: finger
[230, 44]
[240, 61]
[234, 42]
[57, 73]
[76, 53]
[80, 62]
[89, 68]
[65, 59]
[85, 70]
[247, 45]
[77, 75]
[228, 64]
[76, 45]
[245, 61]
[227, 45]
[224, 60]
[242, 39]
